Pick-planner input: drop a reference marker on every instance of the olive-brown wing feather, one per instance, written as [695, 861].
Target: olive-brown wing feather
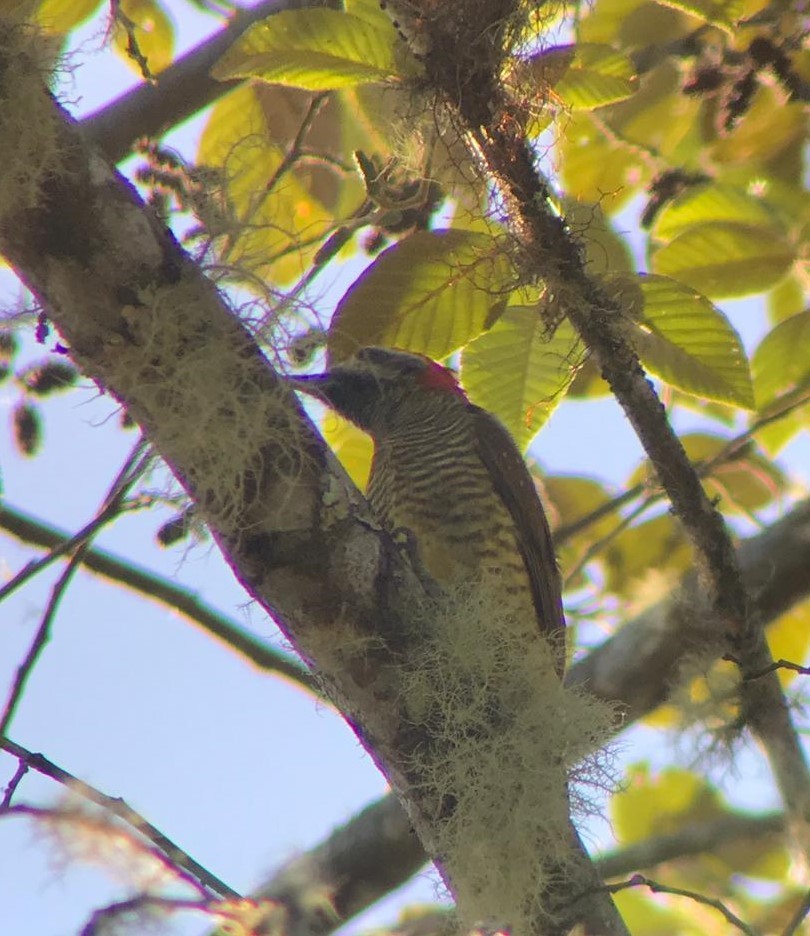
[515, 487]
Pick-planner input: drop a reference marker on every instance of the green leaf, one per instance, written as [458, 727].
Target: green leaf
[793, 410]
[789, 638]
[659, 117]
[726, 259]
[598, 75]
[431, 293]
[714, 202]
[768, 128]
[605, 250]
[661, 804]
[782, 360]
[315, 49]
[271, 230]
[656, 546]
[568, 499]
[723, 14]
[60, 16]
[683, 339]
[786, 298]
[595, 169]
[573, 497]
[520, 372]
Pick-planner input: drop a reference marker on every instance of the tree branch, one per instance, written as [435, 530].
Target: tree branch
[468, 78]
[140, 317]
[157, 588]
[182, 862]
[180, 91]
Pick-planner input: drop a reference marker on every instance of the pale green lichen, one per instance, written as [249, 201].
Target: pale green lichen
[504, 738]
[28, 126]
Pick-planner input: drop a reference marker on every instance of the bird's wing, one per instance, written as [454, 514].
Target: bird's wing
[516, 489]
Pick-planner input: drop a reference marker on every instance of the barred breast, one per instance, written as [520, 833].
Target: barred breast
[445, 496]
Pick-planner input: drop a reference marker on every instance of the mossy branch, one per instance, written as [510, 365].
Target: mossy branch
[151, 330]
[468, 82]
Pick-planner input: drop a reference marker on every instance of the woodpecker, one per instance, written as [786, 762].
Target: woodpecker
[448, 472]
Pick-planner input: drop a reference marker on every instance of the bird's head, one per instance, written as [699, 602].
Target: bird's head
[379, 387]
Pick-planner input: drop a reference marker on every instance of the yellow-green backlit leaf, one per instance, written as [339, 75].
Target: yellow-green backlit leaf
[60, 16]
[656, 805]
[791, 415]
[315, 49]
[569, 499]
[645, 915]
[767, 128]
[353, 448]
[745, 484]
[656, 545]
[683, 339]
[786, 299]
[782, 360]
[369, 10]
[659, 116]
[596, 170]
[572, 497]
[721, 13]
[725, 259]
[519, 372]
[597, 75]
[789, 638]
[430, 293]
[716, 202]
[276, 230]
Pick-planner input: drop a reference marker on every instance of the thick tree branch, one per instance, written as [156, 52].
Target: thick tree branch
[142, 320]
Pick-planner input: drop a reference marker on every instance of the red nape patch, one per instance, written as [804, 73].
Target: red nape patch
[436, 377]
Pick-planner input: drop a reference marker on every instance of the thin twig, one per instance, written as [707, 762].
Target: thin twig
[132, 469]
[798, 917]
[771, 668]
[295, 148]
[598, 545]
[639, 880]
[112, 507]
[179, 859]
[113, 833]
[11, 789]
[41, 638]
[228, 910]
[61, 549]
